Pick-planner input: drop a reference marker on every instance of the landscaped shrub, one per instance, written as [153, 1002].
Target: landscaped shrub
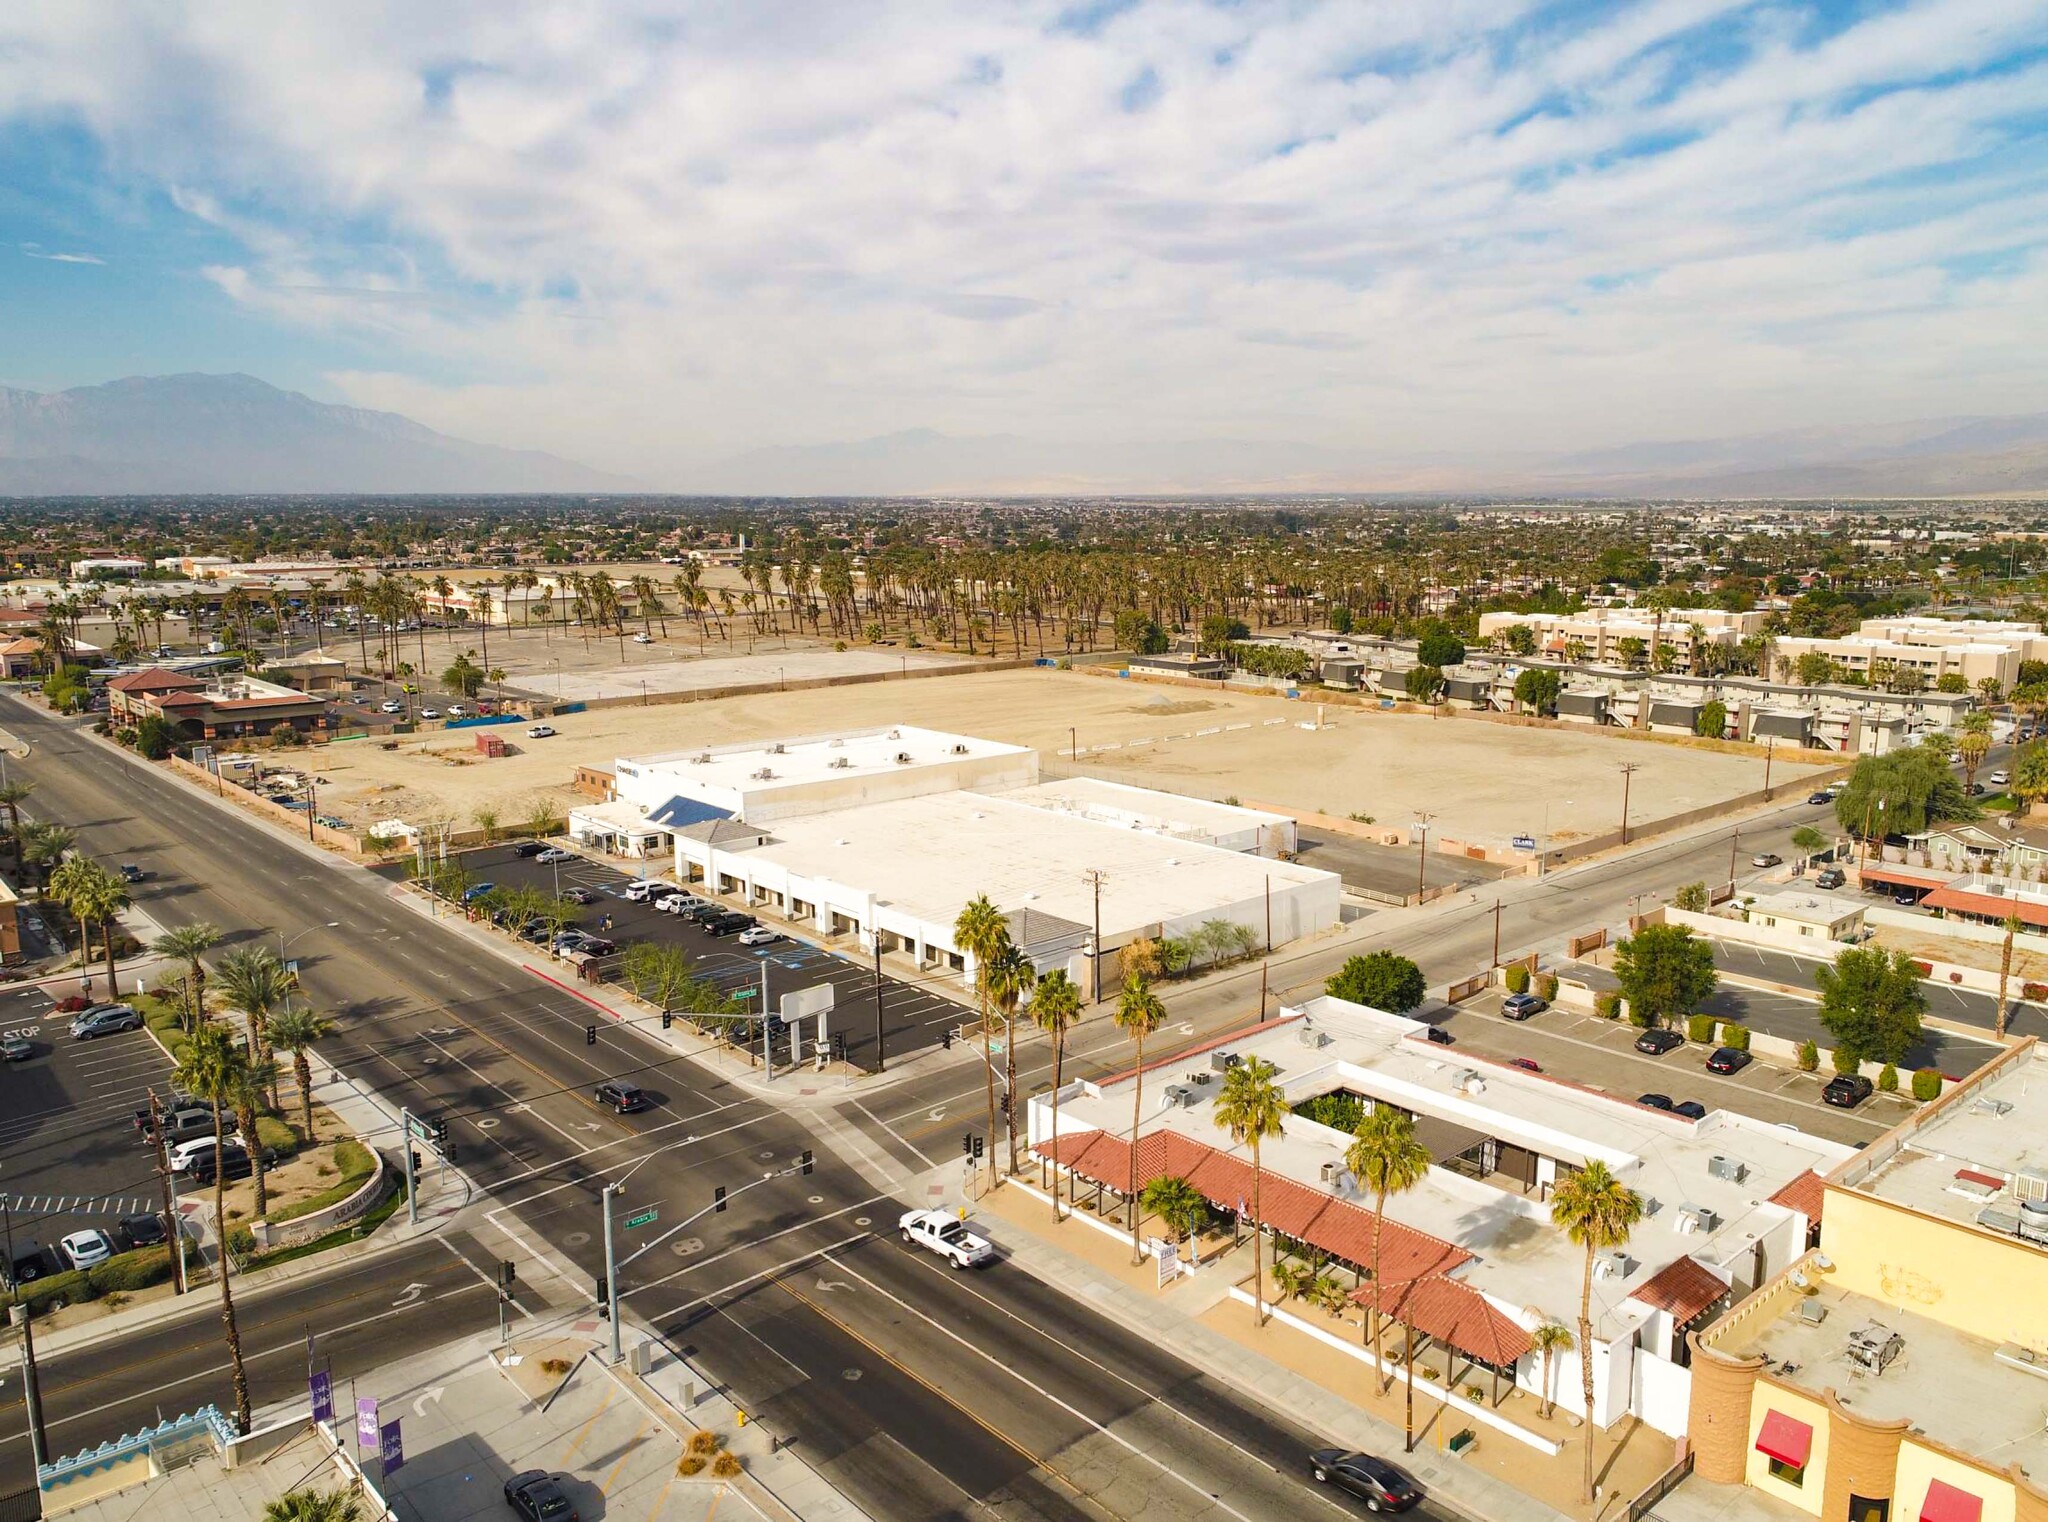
[1338, 1109]
[1736, 1036]
[277, 1136]
[1925, 969]
[1546, 987]
[55, 1290]
[1607, 1004]
[1927, 1084]
[1699, 1028]
[353, 1160]
[1888, 1079]
[2038, 992]
[1809, 1057]
[131, 1271]
[1845, 1063]
[1517, 979]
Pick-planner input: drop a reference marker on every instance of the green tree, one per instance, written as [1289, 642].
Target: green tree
[1664, 970]
[1382, 979]
[1536, 690]
[1807, 840]
[1252, 1107]
[463, 675]
[1955, 681]
[314, 1506]
[1903, 791]
[1440, 648]
[155, 737]
[1424, 684]
[1634, 652]
[254, 981]
[213, 1069]
[982, 931]
[1136, 632]
[1520, 639]
[1011, 977]
[187, 944]
[2030, 774]
[1871, 1002]
[298, 1031]
[1711, 724]
[256, 1083]
[659, 972]
[1176, 1202]
[12, 796]
[1550, 1338]
[1692, 898]
[1597, 1212]
[1386, 1159]
[1219, 632]
[1138, 1014]
[1055, 1007]
[95, 898]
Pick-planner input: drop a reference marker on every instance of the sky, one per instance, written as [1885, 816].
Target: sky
[653, 236]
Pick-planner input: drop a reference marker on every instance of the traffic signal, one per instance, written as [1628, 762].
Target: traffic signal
[945, 1041]
[838, 1047]
[1004, 1102]
[718, 1199]
[448, 1152]
[590, 1035]
[967, 1144]
[667, 1019]
[508, 1273]
[979, 1147]
[804, 1162]
[414, 1154]
[440, 1130]
[604, 1296]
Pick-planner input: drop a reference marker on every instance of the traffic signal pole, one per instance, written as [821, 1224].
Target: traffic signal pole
[611, 1270]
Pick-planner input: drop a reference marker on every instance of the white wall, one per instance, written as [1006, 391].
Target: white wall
[1663, 1393]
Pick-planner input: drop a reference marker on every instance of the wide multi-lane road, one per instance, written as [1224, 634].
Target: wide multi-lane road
[921, 1393]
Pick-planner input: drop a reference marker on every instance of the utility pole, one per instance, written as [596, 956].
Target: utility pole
[611, 1271]
[1496, 932]
[31, 1386]
[1094, 877]
[412, 1183]
[1770, 746]
[1628, 771]
[1421, 853]
[881, 1053]
[169, 1185]
[312, 806]
[1269, 917]
[1733, 837]
[767, 1044]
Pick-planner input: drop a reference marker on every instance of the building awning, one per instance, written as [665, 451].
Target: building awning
[1458, 1316]
[1994, 906]
[1946, 1503]
[1446, 1138]
[1783, 1439]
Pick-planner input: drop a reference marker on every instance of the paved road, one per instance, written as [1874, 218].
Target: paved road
[937, 1424]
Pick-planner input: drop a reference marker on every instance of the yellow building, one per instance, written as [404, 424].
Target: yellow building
[1899, 1372]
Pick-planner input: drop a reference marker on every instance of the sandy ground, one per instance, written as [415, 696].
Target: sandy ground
[1480, 781]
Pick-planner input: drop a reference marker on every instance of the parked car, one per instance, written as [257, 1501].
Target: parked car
[527, 848]
[535, 1495]
[391, 705]
[188, 1153]
[1829, 877]
[680, 903]
[641, 890]
[1374, 1481]
[2001, 778]
[1727, 1059]
[947, 1235]
[180, 1124]
[1906, 898]
[231, 1161]
[1654, 1101]
[1522, 1006]
[1845, 1091]
[1767, 859]
[142, 1231]
[623, 1098]
[86, 1249]
[430, 713]
[706, 912]
[729, 924]
[759, 935]
[555, 854]
[578, 895]
[1526, 1064]
[457, 711]
[477, 890]
[26, 1266]
[1823, 796]
[643, 639]
[1691, 1109]
[1657, 1043]
[104, 1020]
[15, 1047]
[541, 732]
[132, 873]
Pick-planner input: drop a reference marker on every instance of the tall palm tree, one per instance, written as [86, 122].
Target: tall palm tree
[1138, 1014]
[254, 981]
[1596, 1211]
[1055, 1006]
[212, 1069]
[981, 931]
[2012, 928]
[95, 897]
[1550, 1338]
[298, 1031]
[314, 1506]
[12, 796]
[1251, 1108]
[1011, 977]
[256, 1082]
[1385, 1158]
[187, 944]
[44, 847]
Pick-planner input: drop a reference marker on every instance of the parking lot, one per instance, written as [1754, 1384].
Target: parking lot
[1600, 1055]
[70, 1156]
[913, 1016]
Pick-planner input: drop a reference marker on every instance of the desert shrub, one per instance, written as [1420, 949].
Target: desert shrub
[1927, 1084]
[131, 1271]
[705, 1443]
[689, 1465]
[1517, 979]
[1809, 1057]
[726, 1466]
[554, 1368]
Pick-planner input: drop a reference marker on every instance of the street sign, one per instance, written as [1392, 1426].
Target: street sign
[1525, 842]
[743, 993]
[645, 1217]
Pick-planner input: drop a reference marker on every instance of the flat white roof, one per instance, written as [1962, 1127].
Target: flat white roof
[1817, 908]
[1997, 1131]
[1521, 1259]
[1115, 803]
[814, 758]
[929, 855]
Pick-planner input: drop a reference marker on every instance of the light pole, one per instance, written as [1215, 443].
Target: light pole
[1422, 821]
[31, 1386]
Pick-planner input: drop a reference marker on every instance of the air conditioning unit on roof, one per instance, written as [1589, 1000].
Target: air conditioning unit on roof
[840, 763]
[1733, 1170]
[2030, 1184]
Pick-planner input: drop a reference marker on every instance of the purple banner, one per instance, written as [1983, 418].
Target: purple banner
[366, 1423]
[391, 1447]
[323, 1396]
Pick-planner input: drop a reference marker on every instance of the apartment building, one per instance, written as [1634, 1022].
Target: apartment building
[1596, 634]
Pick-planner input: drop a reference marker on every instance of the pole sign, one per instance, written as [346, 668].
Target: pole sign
[645, 1217]
[366, 1422]
[1525, 842]
[322, 1385]
[391, 1446]
[1168, 1253]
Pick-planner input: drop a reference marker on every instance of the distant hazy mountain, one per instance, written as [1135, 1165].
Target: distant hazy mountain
[234, 433]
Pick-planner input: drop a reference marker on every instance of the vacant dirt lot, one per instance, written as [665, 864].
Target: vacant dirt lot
[1481, 781]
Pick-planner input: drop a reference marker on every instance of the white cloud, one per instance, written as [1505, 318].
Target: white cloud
[37, 251]
[654, 234]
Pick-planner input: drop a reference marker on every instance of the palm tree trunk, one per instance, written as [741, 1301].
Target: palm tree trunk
[1010, 1079]
[1586, 1366]
[1545, 1409]
[303, 1071]
[988, 1073]
[1408, 1418]
[1137, 1110]
[107, 941]
[1258, 1243]
[247, 1119]
[1059, 1042]
[1379, 1216]
[227, 1299]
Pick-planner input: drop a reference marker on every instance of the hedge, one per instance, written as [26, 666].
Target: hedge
[1735, 1036]
[132, 1271]
[1546, 987]
[1927, 1084]
[1517, 979]
[1809, 1057]
[1607, 1004]
[1699, 1028]
[67, 1288]
[356, 1165]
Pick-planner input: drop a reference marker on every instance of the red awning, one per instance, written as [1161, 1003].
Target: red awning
[1945, 1503]
[1785, 1440]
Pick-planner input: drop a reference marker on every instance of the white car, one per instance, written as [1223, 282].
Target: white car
[642, 639]
[760, 935]
[457, 711]
[2000, 779]
[87, 1249]
[555, 853]
[186, 1153]
[391, 705]
[679, 903]
[430, 713]
[541, 732]
[948, 1236]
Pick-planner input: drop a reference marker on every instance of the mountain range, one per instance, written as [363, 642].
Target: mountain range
[237, 434]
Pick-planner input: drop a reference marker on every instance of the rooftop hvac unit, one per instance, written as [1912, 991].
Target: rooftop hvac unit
[2034, 1220]
[702, 758]
[1312, 1038]
[959, 750]
[903, 758]
[775, 749]
[1695, 1220]
[1730, 1169]
[840, 763]
[1612, 1265]
[1999, 1218]
[895, 734]
[1995, 1108]
[1181, 1096]
[2030, 1184]
[765, 774]
[1812, 1312]
[1995, 889]
[1223, 1062]
[1873, 1346]
[837, 743]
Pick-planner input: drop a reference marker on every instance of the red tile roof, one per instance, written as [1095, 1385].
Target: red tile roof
[155, 679]
[1455, 1313]
[1805, 1194]
[182, 700]
[1321, 1219]
[1683, 1288]
[1990, 905]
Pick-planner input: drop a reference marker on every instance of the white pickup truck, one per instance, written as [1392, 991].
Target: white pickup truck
[948, 1236]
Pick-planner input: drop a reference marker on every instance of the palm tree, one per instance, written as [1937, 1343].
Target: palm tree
[12, 796]
[1385, 1158]
[44, 846]
[258, 1082]
[981, 931]
[187, 944]
[254, 981]
[1251, 1108]
[1138, 1014]
[1176, 1202]
[297, 1031]
[96, 897]
[2012, 928]
[212, 1068]
[1550, 1338]
[314, 1506]
[1011, 977]
[1056, 1005]
[1596, 1211]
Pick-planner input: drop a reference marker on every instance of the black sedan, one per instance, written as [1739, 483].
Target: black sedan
[1656, 1043]
[142, 1231]
[1819, 798]
[1374, 1481]
[535, 1495]
[1654, 1101]
[1727, 1059]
